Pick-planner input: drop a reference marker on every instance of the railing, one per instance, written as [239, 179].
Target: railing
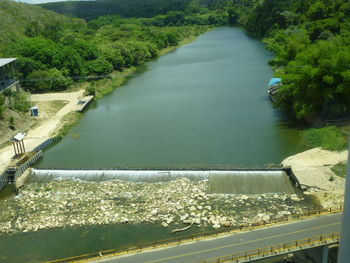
[277, 249]
[7, 84]
[20, 170]
[45, 144]
[196, 236]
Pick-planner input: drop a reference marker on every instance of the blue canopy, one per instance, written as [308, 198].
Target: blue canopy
[274, 81]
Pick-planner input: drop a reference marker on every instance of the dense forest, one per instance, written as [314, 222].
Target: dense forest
[311, 43]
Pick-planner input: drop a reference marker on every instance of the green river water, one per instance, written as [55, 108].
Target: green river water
[204, 104]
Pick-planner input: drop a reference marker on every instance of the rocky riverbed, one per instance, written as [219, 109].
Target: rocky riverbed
[172, 204]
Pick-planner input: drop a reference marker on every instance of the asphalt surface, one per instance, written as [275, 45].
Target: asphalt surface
[234, 243]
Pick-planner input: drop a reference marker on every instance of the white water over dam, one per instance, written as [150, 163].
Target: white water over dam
[228, 181]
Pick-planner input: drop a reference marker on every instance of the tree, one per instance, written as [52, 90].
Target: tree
[99, 67]
[42, 81]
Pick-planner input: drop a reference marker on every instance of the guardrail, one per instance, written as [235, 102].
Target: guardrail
[20, 170]
[279, 249]
[45, 144]
[196, 236]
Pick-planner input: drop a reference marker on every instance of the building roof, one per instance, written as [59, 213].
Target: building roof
[274, 81]
[4, 61]
[19, 136]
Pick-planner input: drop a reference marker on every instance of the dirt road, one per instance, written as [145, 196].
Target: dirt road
[47, 128]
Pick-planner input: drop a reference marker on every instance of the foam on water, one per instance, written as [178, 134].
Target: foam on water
[229, 182]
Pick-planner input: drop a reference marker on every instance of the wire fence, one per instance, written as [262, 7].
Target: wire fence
[277, 249]
[196, 236]
[45, 144]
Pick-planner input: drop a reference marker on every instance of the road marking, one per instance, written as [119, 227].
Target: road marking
[242, 243]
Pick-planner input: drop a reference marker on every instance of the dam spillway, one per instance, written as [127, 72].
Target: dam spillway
[240, 181]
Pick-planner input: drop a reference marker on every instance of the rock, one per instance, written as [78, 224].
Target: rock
[192, 208]
[169, 220]
[244, 197]
[216, 226]
[197, 221]
[227, 224]
[183, 217]
[294, 198]
[222, 220]
[165, 224]
[266, 218]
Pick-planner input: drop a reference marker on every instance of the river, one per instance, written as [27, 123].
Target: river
[204, 104]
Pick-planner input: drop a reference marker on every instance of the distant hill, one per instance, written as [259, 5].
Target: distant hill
[19, 19]
[125, 8]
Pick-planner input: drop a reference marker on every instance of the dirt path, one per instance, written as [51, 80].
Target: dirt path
[48, 126]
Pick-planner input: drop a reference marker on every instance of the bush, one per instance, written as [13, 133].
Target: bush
[91, 90]
[339, 169]
[21, 102]
[47, 81]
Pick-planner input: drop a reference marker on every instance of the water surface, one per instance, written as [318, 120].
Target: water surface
[204, 105]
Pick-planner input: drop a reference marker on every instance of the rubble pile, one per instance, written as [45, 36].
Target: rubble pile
[63, 203]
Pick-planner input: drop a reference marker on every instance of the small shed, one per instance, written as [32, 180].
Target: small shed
[34, 111]
[18, 143]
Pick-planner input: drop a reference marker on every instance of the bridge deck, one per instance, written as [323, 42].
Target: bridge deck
[216, 247]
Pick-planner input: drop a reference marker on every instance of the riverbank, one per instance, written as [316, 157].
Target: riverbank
[313, 170]
[47, 125]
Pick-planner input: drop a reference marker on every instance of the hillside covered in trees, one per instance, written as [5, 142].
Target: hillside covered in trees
[311, 43]
[151, 8]
[310, 40]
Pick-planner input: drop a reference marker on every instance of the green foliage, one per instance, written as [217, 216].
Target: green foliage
[91, 90]
[339, 169]
[329, 138]
[42, 81]
[99, 67]
[21, 102]
[310, 40]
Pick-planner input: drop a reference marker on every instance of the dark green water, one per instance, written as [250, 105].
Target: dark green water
[61, 243]
[204, 104]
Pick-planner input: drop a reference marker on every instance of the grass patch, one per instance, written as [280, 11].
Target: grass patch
[339, 169]
[102, 87]
[329, 138]
[50, 107]
[68, 122]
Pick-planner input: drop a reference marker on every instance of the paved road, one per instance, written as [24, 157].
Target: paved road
[225, 245]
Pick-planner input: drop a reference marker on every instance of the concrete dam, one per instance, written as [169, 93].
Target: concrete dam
[238, 181]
